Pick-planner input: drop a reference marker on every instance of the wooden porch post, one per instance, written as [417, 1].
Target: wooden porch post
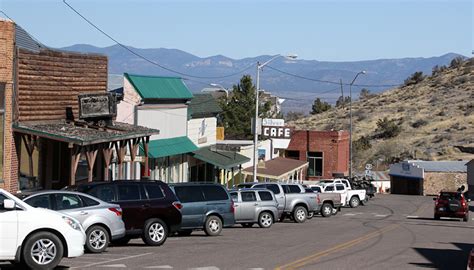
[30, 142]
[120, 156]
[75, 157]
[133, 147]
[107, 152]
[146, 140]
[91, 155]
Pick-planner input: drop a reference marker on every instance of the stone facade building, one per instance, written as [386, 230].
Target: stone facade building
[417, 177]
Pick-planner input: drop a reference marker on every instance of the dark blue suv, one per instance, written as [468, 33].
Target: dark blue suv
[206, 206]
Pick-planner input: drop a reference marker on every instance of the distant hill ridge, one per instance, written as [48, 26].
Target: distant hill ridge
[379, 72]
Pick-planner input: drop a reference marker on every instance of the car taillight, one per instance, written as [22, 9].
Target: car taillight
[318, 199]
[178, 205]
[117, 211]
[232, 208]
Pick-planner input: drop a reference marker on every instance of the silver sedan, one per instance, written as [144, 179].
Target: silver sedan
[102, 221]
[253, 205]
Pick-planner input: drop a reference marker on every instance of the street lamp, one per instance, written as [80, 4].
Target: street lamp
[255, 132]
[350, 127]
[222, 88]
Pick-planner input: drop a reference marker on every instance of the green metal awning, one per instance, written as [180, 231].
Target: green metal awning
[220, 158]
[170, 147]
[158, 87]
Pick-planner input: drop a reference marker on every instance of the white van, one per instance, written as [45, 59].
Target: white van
[36, 237]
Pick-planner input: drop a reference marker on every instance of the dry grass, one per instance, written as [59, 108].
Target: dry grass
[445, 102]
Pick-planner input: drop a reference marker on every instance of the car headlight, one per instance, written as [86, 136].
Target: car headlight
[71, 222]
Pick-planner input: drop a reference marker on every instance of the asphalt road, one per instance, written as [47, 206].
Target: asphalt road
[390, 232]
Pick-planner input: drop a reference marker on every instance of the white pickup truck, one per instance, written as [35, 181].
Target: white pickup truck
[349, 196]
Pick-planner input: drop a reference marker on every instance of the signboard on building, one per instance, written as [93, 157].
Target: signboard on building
[273, 122]
[100, 105]
[275, 128]
[406, 169]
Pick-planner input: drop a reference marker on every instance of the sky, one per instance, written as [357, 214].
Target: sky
[335, 30]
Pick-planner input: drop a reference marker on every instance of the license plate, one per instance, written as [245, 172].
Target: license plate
[441, 209]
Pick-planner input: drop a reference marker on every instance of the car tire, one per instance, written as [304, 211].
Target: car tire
[466, 218]
[265, 220]
[185, 232]
[213, 226]
[354, 202]
[155, 232]
[436, 217]
[326, 210]
[365, 201]
[121, 241]
[33, 253]
[97, 239]
[299, 214]
[247, 225]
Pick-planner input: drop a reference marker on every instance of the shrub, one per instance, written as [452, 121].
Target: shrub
[456, 62]
[320, 106]
[362, 144]
[387, 128]
[419, 123]
[415, 78]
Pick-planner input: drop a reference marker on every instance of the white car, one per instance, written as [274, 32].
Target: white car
[36, 237]
[350, 197]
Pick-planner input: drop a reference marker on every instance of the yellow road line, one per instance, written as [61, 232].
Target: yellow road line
[311, 258]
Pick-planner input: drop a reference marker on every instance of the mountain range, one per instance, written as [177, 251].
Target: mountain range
[380, 75]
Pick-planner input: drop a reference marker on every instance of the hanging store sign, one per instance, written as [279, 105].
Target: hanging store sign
[100, 105]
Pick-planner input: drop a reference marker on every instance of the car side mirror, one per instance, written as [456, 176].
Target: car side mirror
[434, 199]
[8, 204]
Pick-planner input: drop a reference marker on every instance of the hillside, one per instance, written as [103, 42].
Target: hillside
[435, 115]
[379, 71]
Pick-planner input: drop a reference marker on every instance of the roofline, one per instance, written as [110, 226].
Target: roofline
[151, 76]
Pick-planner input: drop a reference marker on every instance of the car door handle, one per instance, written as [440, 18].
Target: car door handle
[255, 204]
[83, 213]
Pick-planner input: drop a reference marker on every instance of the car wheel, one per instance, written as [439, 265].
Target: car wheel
[185, 232]
[213, 226]
[300, 214]
[326, 210]
[436, 217]
[121, 241]
[247, 225]
[42, 250]
[466, 217]
[310, 215]
[365, 201]
[265, 220]
[354, 202]
[155, 232]
[97, 239]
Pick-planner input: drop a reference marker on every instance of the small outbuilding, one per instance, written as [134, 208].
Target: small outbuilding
[419, 177]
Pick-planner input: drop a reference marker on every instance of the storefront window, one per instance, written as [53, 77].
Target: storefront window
[315, 160]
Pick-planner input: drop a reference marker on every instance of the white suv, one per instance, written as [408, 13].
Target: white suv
[36, 237]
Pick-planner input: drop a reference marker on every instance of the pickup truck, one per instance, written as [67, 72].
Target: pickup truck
[293, 201]
[330, 202]
[349, 196]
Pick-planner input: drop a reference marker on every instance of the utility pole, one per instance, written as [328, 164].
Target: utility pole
[342, 93]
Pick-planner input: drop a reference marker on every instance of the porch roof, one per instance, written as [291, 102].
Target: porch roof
[83, 135]
[220, 158]
[278, 168]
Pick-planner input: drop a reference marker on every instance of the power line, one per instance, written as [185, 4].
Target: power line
[331, 82]
[148, 60]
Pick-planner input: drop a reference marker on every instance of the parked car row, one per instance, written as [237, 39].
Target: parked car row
[45, 226]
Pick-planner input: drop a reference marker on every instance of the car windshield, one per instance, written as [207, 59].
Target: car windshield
[450, 196]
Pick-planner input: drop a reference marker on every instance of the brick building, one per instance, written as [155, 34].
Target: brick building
[44, 142]
[327, 152]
